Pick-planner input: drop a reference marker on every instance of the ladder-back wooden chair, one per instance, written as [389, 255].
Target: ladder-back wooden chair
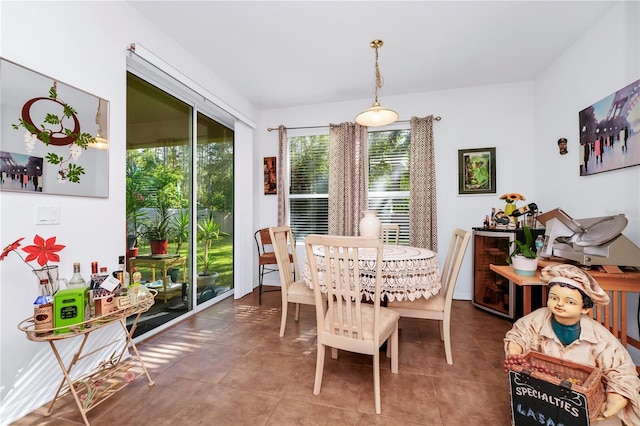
[346, 322]
[438, 307]
[292, 291]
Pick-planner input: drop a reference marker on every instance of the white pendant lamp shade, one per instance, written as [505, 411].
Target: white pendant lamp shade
[99, 142]
[376, 115]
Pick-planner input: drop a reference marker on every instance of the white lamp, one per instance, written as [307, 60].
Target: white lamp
[377, 115]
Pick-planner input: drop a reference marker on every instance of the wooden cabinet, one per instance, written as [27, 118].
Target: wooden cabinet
[492, 291]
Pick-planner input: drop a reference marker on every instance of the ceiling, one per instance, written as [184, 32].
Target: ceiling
[281, 54]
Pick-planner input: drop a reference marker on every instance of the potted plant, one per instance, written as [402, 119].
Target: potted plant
[181, 228]
[524, 257]
[208, 233]
[135, 216]
[158, 230]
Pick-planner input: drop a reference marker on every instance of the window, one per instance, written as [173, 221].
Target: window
[309, 184]
[388, 181]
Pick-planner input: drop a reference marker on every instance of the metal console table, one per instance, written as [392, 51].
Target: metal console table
[95, 386]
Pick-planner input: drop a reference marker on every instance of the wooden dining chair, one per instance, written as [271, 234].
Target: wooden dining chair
[292, 291]
[390, 233]
[438, 307]
[267, 262]
[345, 322]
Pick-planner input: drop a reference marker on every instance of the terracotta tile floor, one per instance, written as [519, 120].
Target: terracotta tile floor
[228, 366]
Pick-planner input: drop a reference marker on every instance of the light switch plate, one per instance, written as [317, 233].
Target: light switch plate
[47, 215]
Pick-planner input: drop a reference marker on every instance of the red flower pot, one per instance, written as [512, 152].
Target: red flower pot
[159, 246]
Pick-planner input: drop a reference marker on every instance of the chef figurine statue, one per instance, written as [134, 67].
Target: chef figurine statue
[563, 329]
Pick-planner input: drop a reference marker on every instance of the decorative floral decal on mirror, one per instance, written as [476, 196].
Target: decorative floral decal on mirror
[63, 149]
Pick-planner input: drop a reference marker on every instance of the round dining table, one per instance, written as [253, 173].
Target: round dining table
[408, 272]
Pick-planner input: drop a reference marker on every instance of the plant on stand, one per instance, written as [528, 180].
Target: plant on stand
[524, 256]
[158, 230]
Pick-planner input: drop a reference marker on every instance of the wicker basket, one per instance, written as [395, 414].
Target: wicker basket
[590, 378]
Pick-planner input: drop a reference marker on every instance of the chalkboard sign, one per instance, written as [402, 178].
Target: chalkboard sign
[535, 402]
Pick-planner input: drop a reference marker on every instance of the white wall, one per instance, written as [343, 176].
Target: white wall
[604, 60]
[523, 121]
[75, 43]
[500, 116]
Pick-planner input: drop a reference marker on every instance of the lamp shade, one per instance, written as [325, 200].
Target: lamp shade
[376, 116]
[100, 143]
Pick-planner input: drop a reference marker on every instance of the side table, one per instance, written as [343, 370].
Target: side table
[163, 263]
[111, 375]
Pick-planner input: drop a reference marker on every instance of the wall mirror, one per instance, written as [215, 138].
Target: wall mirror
[53, 137]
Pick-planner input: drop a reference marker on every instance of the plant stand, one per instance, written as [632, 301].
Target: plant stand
[163, 263]
[94, 387]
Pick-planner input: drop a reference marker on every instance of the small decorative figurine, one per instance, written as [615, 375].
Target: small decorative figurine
[562, 146]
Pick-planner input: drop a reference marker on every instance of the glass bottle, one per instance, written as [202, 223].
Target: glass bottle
[76, 280]
[539, 243]
[126, 279]
[94, 269]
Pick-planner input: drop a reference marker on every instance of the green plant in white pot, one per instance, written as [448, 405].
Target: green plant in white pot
[524, 256]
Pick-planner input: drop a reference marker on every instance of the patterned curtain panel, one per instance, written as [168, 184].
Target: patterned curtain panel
[423, 215]
[348, 177]
[283, 175]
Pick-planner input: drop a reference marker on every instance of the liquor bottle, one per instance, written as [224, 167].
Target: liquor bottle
[94, 279]
[76, 280]
[126, 279]
[539, 243]
[529, 208]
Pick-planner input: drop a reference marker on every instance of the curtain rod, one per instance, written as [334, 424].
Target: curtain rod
[437, 118]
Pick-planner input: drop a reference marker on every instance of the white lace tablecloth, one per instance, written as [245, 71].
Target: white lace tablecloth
[407, 272]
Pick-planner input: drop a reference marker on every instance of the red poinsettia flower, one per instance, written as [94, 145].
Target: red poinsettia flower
[11, 247]
[43, 251]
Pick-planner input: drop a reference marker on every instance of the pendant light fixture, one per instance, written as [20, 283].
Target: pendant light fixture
[377, 115]
[100, 142]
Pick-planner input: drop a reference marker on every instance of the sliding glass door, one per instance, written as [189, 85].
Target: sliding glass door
[214, 182]
[168, 138]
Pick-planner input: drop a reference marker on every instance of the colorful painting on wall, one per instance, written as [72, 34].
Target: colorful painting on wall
[610, 132]
[477, 171]
[21, 172]
[270, 176]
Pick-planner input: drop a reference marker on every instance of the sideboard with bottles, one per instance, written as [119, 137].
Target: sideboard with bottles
[491, 291]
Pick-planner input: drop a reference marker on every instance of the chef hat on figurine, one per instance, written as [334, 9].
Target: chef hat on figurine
[570, 274]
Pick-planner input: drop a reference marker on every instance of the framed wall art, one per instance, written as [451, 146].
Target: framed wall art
[270, 176]
[53, 137]
[608, 129]
[477, 171]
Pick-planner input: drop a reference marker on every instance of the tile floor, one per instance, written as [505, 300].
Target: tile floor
[227, 366]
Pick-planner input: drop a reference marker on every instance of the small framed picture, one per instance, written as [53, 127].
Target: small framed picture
[477, 171]
[270, 176]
